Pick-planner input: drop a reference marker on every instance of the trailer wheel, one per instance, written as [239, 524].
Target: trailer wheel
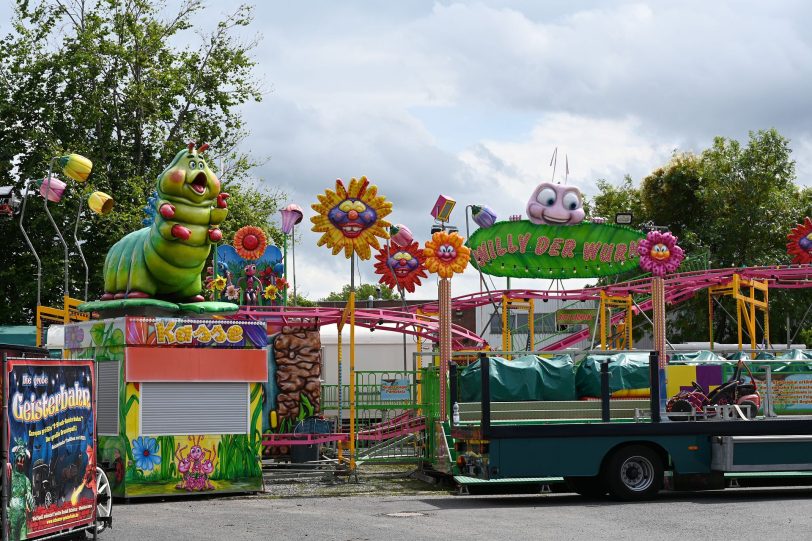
[588, 487]
[104, 500]
[634, 473]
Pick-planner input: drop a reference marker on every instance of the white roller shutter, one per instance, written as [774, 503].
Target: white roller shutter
[107, 388]
[194, 408]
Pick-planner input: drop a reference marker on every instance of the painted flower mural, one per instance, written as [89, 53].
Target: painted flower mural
[145, 453]
[352, 218]
[401, 267]
[800, 243]
[250, 242]
[659, 253]
[445, 254]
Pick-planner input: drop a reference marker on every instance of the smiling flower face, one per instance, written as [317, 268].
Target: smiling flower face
[352, 219]
[407, 263]
[555, 204]
[446, 254]
[659, 253]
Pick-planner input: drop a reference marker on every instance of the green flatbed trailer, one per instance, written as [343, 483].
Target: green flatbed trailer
[628, 457]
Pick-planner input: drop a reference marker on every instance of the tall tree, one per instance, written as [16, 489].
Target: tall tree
[108, 80]
[735, 202]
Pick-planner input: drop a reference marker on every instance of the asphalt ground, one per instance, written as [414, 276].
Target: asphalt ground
[436, 513]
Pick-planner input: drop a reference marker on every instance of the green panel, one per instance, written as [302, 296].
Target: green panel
[523, 249]
[757, 453]
[553, 457]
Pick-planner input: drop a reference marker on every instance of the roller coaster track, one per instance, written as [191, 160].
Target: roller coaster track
[426, 327]
[679, 287]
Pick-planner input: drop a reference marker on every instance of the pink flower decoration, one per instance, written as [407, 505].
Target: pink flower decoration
[659, 253]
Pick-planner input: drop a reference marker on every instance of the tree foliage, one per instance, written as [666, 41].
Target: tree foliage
[362, 293]
[110, 81]
[733, 201]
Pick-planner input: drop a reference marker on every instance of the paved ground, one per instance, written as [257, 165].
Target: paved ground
[774, 514]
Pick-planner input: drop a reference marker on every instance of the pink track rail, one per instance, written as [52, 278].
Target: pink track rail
[402, 425]
[277, 440]
[678, 288]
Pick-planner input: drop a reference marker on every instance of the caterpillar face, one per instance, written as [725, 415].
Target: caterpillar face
[352, 217]
[189, 177]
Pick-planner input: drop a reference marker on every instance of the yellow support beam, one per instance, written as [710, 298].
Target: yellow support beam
[69, 313]
[607, 302]
[508, 304]
[747, 307]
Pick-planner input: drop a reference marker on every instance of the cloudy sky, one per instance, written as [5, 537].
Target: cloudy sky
[469, 99]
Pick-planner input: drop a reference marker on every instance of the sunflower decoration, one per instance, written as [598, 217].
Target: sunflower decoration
[659, 253]
[250, 242]
[407, 263]
[271, 292]
[352, 218]
[445, 254]
[800, 243]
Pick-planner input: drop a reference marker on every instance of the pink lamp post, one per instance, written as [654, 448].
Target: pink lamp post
[291, 215]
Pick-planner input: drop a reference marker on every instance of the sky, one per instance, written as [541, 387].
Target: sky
[469, 100]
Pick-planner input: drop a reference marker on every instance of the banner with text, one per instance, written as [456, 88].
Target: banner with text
[51, 446]
[522, 249]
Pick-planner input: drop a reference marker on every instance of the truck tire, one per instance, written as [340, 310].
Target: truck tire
[633, 473]
[588, 487]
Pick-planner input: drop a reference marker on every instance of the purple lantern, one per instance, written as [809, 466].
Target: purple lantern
[482, 215]
[291, 215]
[52, 188]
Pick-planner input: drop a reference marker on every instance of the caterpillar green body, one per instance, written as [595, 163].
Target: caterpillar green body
[165, 260]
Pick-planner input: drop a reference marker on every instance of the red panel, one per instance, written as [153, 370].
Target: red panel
[195, 364]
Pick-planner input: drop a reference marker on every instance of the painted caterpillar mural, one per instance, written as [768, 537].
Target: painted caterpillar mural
[166, 258]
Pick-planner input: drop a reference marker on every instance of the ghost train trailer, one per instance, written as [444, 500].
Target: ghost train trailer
[623, 448]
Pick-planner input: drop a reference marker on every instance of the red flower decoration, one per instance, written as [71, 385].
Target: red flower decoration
[800, 243]
[402, 268]
[250, 242]
[281, 284]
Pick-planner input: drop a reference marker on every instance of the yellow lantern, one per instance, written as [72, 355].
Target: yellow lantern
[76, 167]
[100, 203]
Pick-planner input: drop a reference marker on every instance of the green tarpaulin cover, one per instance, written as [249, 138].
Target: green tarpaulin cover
[626, 371]
[522, 379]
[696, 356]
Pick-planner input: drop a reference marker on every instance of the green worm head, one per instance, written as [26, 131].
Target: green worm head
[189, 177]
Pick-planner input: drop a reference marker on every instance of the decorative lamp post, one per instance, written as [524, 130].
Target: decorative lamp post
[101, 204]
[73, 166]
[291, 215]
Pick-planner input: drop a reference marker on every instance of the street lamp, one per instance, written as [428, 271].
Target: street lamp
[291, 215]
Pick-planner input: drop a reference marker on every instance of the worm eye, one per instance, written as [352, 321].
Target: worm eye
[546, 197]
[571, 201]
[192, 164]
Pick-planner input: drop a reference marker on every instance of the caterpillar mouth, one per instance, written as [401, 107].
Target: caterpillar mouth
[199, 183]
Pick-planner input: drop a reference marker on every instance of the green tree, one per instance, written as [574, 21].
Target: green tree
[108, 80]
[736, 202]
[362, 293]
